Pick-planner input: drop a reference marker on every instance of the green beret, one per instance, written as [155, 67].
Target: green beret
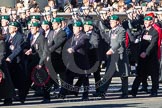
[58, 20]
[114, 17]
[77, 24]
[62, 18]
[148, 18]
[88, 23]
[37, 17]
[14, 24]
[35, 24]
[6, 17]
[29, 22]
[45, 22]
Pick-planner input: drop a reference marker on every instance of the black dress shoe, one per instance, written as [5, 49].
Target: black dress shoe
[22, 101]
[85, 98]
[153, 94]
[99, 94]
[61, 96]
[46, 101]
[74, 93]
[124, 96]
[144, 89]
[133, 94]
[7, 102]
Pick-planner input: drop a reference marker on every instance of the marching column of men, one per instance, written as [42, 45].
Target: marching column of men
[82, 42]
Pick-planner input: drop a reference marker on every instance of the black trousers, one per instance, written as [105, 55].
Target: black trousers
[68, 85]
[59, 68]
[47, 89]
[97, 78]
[19, 78]
[103, 88]
[144, 69]
[122, 70]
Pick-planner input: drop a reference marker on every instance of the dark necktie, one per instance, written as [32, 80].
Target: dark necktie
[33, 41]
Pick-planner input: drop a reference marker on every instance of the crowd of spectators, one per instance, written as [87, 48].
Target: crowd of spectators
[66, 6]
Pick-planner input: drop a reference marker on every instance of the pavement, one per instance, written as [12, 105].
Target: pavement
[112, 99]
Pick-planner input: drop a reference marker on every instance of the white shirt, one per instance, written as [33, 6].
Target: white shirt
[46, 33]
[11, 36]
[5, 28]
[57, 30]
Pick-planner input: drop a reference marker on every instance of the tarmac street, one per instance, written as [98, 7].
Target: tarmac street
[112, 99]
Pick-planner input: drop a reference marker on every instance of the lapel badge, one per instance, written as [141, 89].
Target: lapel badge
[12, 47]
[36, 46]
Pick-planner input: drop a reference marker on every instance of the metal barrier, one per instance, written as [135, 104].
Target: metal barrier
[121, 15]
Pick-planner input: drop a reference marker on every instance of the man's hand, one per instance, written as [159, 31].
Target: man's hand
[70, 50]
[8, 60]
[109, 52]
[28, 52]
[143, 55]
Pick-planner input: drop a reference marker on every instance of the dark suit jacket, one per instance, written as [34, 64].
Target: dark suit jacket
[80, 46]
[49, 38]
[55, 48]
[93, 53]
[2, 50]
[150, 46]
[14, 52]
[39, 49]
[58, 41]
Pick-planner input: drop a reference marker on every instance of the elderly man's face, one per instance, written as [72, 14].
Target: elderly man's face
[76, 30]
[34, 30]
[56, 25]
[113, 23]
[12, 29]
[148, 23]
[45, 27]
[87, 28]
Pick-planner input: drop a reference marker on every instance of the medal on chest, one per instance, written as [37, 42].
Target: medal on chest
[36, 46]
[147, 37]
[48, 41]
[113, 36]
[12, 47]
